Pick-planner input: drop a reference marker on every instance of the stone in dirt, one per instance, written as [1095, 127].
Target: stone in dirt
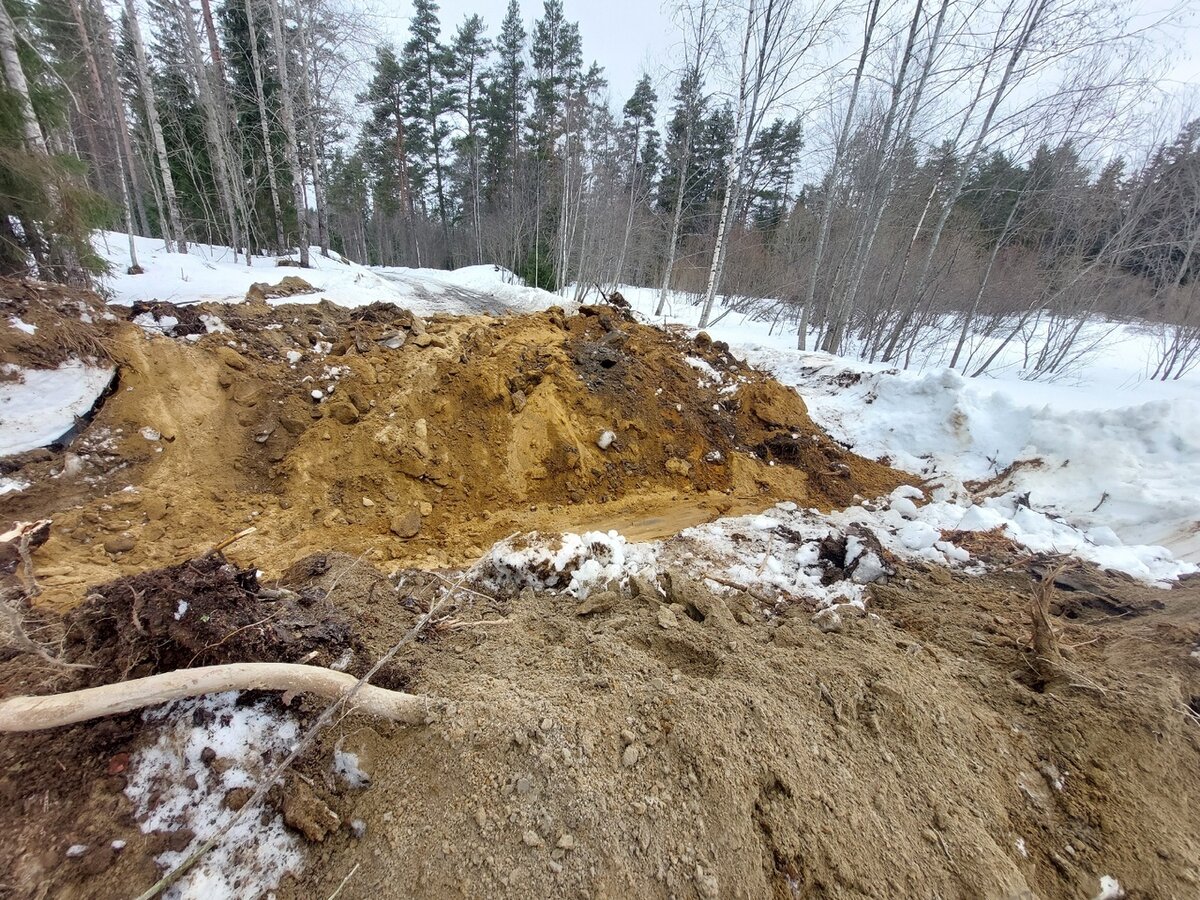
[307, 813]
[677, 466]
[122, 543]
[406, 525]
[599, 602]
[344, 413]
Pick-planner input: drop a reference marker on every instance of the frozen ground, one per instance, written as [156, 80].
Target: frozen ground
[257, 850]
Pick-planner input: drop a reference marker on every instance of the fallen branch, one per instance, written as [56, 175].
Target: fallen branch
[54, 710]
[348, 698]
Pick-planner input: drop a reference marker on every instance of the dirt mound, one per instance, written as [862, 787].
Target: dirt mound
[375, 432]
[678, 741]
[201, 612]
[43, 325]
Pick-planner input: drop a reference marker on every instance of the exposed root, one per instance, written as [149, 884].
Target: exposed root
[54, 710]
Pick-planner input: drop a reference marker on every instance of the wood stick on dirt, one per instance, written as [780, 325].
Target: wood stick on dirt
[245, 532]
[54, 710]
[304, 743]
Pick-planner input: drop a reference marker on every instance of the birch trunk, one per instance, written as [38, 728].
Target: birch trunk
[838, 152]
[308, 95]
[735, 173]
[260, 98]
[42, 247]
[119, 113]
[881, 187]
[289, 131]
[1036, 9]
[174, 235]
[212, 125]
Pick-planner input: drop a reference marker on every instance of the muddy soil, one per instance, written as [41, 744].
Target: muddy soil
[610, 755]
[374, 432]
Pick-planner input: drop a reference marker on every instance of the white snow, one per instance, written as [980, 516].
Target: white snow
[40, 406]
[17, 323]
[467, 290]
[211, 273]
[346, 765]
[252, 856]
[1107, 457]
[577, 563]
[1110, 889]
[11, 485]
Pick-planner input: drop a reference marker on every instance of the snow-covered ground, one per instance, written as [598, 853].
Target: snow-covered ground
[40, 405]
[257, 850]
[1107, 457]
[208, 273]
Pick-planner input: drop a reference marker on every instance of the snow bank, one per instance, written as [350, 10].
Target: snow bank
[41, 406]
[471, 289]
[252, 857]
[1129, 473]
[210, 273]
[1105, 456]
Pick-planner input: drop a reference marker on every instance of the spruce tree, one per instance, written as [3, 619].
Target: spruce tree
[502, 108]
[426, 68]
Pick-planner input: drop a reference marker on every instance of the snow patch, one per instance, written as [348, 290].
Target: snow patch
[251, 853]
[575, 563]
[41, 406]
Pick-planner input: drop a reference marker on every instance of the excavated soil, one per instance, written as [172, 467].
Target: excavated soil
[666, 738]
[723, 755]
[429, 441]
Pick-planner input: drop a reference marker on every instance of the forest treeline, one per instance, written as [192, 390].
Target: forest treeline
[877, 178]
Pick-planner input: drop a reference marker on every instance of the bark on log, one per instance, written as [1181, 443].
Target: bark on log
[54, 710]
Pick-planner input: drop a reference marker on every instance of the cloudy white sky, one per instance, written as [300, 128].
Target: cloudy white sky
[629, 37]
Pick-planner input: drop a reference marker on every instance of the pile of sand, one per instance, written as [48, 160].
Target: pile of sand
[377, 433]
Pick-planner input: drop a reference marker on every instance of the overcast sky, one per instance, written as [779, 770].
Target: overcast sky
[629, 37]
[626, 37]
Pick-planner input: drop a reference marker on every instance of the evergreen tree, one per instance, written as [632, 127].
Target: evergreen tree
[468, 53]
[426, 68]
[556, 53]
[638, 131]
[386, 151]
[770, 172]
[502, 108]
[47, 212]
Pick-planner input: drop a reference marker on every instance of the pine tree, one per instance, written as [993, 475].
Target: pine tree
[386, 151]
[46, 209]
[426, 68]
[637, 126]
[556, 53]
[502, 109]
[468, 53]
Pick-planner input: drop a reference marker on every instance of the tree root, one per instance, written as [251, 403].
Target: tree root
[54, 710]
